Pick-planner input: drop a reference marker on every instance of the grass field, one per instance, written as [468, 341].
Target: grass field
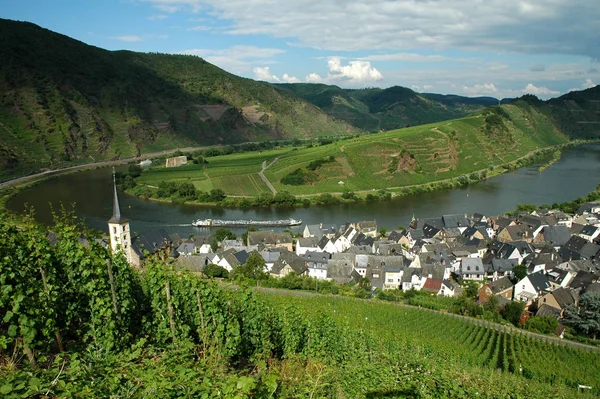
[389, 160]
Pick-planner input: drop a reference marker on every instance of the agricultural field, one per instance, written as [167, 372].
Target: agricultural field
[389, 160]
[451, 342]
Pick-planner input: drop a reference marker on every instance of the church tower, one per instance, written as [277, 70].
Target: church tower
[118, 227]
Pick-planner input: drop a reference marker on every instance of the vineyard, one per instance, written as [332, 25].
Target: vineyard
[80, 322]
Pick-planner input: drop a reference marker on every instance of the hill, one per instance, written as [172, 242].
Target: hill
[377, 109]
[64, 102]
[452, 153]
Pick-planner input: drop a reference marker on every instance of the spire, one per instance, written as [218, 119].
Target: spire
[116, 217]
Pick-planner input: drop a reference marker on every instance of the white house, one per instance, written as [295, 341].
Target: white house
[392, 277]
[472, 269]
[531, 287]
[305, 244]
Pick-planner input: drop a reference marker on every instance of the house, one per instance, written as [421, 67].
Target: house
[326, 245]
[589, 232]
[316, 264]
[393, 277]
[361, 264]
[340, 271]
[553, 235]
[147, 244]
[287, 263]
[459, 221]
[515, 233]
[531, 287]
[472, 269]
[559, 299]
[313, 230]
[582, 280]
[368, 228]
[186, 249]
[304, 244]
[502, 287]
[499, 268]
[430, 231]
[202, 244]
[270, 239]
[270, 256]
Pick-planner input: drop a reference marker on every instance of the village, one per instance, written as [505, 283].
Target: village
[545, 259]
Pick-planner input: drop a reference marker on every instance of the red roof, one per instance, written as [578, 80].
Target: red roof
[433, 284]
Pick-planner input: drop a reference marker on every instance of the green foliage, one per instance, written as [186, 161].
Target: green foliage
[512, 312]
[295, 178]
[212, 270]
[541, 324]
[255, 268]
[520, 272]
[585, 317]
[224, 234]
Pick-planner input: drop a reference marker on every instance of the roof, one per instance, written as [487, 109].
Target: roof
[430, 231]
[588, 230]
[314, 230]
[504, 265]
[116, 216]
[433, 284]
[575, 243]
[471, 266]
[500, 285]
[291, 259]
[556, 235]
[268, 238]
[455, 221]
[547, 310]
[539, 281]
[564, 297]
[340, 271]
[150, 241]
[186, 248]
[583, 279]
[308, 242]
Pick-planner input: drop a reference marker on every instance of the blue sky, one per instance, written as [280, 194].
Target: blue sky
[499, 48]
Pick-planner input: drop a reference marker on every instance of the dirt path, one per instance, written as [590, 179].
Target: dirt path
[264, 178]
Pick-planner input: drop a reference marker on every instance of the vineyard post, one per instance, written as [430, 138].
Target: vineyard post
[112, 288]
[170, 309]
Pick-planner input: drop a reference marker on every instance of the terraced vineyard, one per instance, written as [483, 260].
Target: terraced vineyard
[464, 148]
[454, 342]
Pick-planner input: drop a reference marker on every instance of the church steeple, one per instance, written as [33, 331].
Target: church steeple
[116, 216]
[118, 227]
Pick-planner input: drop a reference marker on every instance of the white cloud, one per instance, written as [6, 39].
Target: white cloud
[480, 89]
[359, 71]
[540, 27]
[407, 57]
[313, 78]
[289, 79]
[128, 38]
[539, 91]
[264, 73]
[588, 84]
[236, 59]
[200, 28]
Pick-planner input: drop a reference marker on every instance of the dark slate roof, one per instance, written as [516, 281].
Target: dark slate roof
[455, 221]
[340, 271]
[316, 257]
[315, 230]
[503, 265]
[588, 230]
[590, 251]
[594, 287]
[505, 251]
[547, 310]
[430, 231]
[116, 216]
[323, 242]
[564, 297]
[308, 242]
[539, 281]
[575, 244]
[568, 255]
[532, 222]
[242, 256]
[150, 241]
[291, 259]
[587, 207]
[582, 280]
[471, 266]
[556, 235]
[500, 285]
[395, 236]
[477, 217]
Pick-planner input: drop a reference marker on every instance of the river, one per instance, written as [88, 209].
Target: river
[575, 174]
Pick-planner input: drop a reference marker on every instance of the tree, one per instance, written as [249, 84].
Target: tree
[520, 271]
[187, 190]
[254, 268]
[586, 317]
[542, 324]
[216, 195]
[383, 231]
[512, 312]
[224, 234]
[212, 270]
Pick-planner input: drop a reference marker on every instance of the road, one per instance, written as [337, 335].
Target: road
[264, 178]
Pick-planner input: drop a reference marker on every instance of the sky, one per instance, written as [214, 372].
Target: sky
[498, 48]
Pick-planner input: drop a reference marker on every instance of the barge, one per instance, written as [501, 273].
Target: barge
[242, 223]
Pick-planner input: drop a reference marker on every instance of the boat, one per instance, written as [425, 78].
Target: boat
[242, 223]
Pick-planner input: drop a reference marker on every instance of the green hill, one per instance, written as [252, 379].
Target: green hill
[376, 109]
[65, 102]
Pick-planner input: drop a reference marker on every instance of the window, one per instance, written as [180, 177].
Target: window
[114, 229]
[390, 280]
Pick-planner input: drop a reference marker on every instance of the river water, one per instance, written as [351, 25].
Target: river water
[90, 192]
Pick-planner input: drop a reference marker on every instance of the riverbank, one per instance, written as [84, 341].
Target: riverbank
[192, 196]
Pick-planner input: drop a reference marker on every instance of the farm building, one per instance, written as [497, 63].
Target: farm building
[176, 161]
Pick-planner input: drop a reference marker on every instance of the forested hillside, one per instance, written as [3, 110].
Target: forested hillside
[64, 102]
[375, 109]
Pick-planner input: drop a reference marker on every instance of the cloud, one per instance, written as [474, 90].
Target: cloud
[515, 26]
[264, 73]
[407, 57]
[200, 28]
[236, 59]
[360, 71]
[592, 70]
[289, 79]
[313, 78]
[128, 38]
[588, 84]
[539, 91]
[480, 89]
[537, 68]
